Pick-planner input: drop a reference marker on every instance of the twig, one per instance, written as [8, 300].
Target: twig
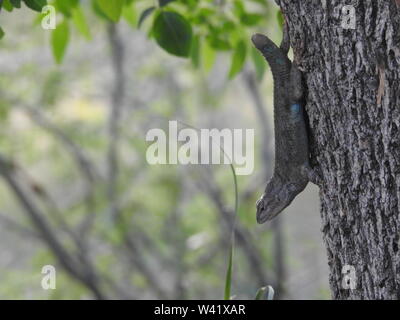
[12, 224]
[68, 261]
[117, 56]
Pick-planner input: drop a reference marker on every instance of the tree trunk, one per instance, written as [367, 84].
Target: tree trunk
[353, 104]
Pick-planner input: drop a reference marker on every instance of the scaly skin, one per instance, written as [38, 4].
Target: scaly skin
[292, 170]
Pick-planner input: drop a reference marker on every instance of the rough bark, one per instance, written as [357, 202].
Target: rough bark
[353, 104]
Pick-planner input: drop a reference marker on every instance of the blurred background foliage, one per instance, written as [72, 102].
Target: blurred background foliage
[76, 103]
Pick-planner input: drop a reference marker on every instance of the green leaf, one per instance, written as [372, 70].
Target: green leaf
[228, 278]
[16, 3]
[262, 2]
[59, 41]
[112, 9]
[146, 13]
[251, 19]
[238, 8]
[7, 5]
[260, 64]
[1, 33]
[207, 56]
[66, 6]
[36, 5]
[202, 15]
[129, 14]
[218, 43]
[228, 26]
[195, 51]
[80, 22]
[238, 59]
[281, 19]
[173, 33]
[98, 11]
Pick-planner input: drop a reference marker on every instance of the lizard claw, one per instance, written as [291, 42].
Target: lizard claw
[312, 175]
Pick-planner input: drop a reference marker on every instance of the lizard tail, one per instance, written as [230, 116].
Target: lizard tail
[276, 57]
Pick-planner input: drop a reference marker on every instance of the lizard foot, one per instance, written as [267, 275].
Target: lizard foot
[312, 175]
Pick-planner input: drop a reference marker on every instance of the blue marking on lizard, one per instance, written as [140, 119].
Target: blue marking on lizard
[295, 110]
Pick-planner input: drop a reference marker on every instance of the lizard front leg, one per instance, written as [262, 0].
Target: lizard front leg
[311, 174]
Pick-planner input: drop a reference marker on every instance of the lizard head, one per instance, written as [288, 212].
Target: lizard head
[277, 196]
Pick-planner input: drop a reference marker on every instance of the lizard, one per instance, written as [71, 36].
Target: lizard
[292, 170]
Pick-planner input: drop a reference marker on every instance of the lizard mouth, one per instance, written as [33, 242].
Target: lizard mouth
[268, 209]
[262, 214]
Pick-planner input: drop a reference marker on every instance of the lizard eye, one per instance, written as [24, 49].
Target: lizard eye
[279, 197]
